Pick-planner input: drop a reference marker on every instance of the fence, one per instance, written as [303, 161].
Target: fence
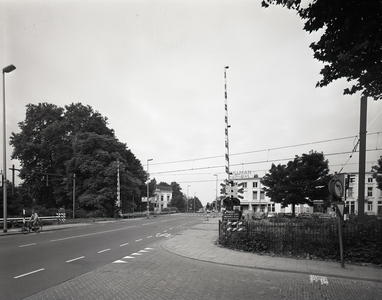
[314, 238]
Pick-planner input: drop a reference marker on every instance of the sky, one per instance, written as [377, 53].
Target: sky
[155, 69]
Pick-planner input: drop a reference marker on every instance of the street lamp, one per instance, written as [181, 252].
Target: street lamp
[148, 191]
[187, 198]
[194, 201]
[216, 199]
[7, 69]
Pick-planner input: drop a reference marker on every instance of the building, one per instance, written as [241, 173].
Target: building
[373, 195]
[163, 197]
[255, 200]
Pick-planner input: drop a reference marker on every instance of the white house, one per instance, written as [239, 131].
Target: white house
[163, 197]
[255, 200]
[373, 196]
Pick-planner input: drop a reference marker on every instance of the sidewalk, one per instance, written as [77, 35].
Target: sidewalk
[198, 242]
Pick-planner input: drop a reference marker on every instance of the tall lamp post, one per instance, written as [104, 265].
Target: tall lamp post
[7, 69]
[187, 198]
[194, 201]
[216, 199]
[148, 191]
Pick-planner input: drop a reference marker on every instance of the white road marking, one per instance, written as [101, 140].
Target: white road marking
[90, 234]
[81, 257]
[138, 240]
[29, 273]
[119, 262]
[129, 256]
[149, 248]
[103, 250]
[135, 253]
[143, 251]
[27, 245]
[149, 237]
[322, 279]
[123, 245]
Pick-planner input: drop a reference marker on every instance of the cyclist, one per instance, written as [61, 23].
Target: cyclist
[34, 219]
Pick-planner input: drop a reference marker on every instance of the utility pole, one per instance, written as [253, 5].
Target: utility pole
[362, 159]
[74, 195]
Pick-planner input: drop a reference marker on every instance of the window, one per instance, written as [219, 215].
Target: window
[161, 197]
[352, 179]
[254, 184]
[168, 198]
[370, 179]
[350, 192]
[244, 184]
[254, 195]
[370, 205]
[370, 192]
[271, 207]
[351, 206]
[262, 195]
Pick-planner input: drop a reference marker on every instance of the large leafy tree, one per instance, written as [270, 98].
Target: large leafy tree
[300, 181]
[351, 44]
[377, 172]
[56, 143]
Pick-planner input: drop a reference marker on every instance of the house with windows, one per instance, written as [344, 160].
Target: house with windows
[254, 198]
[163, 197]
[373, 195]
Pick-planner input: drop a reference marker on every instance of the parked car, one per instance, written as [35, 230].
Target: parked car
[325, 216]
[305, 216]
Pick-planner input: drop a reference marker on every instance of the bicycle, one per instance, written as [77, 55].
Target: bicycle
[27, 228]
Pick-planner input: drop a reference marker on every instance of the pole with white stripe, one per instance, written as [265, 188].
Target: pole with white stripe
[227, 170]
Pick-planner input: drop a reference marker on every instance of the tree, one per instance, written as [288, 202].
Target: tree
[350, 46]
[299, 182]
[377, 169]
[56, 143]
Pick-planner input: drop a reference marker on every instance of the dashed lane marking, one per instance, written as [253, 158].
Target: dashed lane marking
[101, 251]
[139, 240]
[27, 245]
[29, 273]
[123, 245]
[74, 259]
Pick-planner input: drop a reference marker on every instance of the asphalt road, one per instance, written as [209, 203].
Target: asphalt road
[34, 262]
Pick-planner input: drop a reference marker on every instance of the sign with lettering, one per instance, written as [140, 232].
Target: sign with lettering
[231, 216]
[243, 174]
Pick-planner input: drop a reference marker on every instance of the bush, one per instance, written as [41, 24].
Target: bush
[316, 238]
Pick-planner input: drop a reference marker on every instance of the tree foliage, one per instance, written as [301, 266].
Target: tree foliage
[377, 172]
[56, 145]
[351, 44]
[299, 181]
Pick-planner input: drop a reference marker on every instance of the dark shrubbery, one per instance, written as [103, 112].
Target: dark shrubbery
[313, 238]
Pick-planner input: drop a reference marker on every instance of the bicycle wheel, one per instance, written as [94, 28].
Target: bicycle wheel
[25, 229]
[37, 228]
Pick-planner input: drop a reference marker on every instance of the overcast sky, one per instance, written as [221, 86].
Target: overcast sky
[155, 69]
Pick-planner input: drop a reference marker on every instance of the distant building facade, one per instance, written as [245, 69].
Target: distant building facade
[373, 195]
[163, 197]
[255, 200]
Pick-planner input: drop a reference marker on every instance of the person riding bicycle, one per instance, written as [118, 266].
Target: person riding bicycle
[34, 219]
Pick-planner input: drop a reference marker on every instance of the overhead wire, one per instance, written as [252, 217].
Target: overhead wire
[262, 150]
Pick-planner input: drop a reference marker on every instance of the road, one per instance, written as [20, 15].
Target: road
[34, 262]
[125, 260]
